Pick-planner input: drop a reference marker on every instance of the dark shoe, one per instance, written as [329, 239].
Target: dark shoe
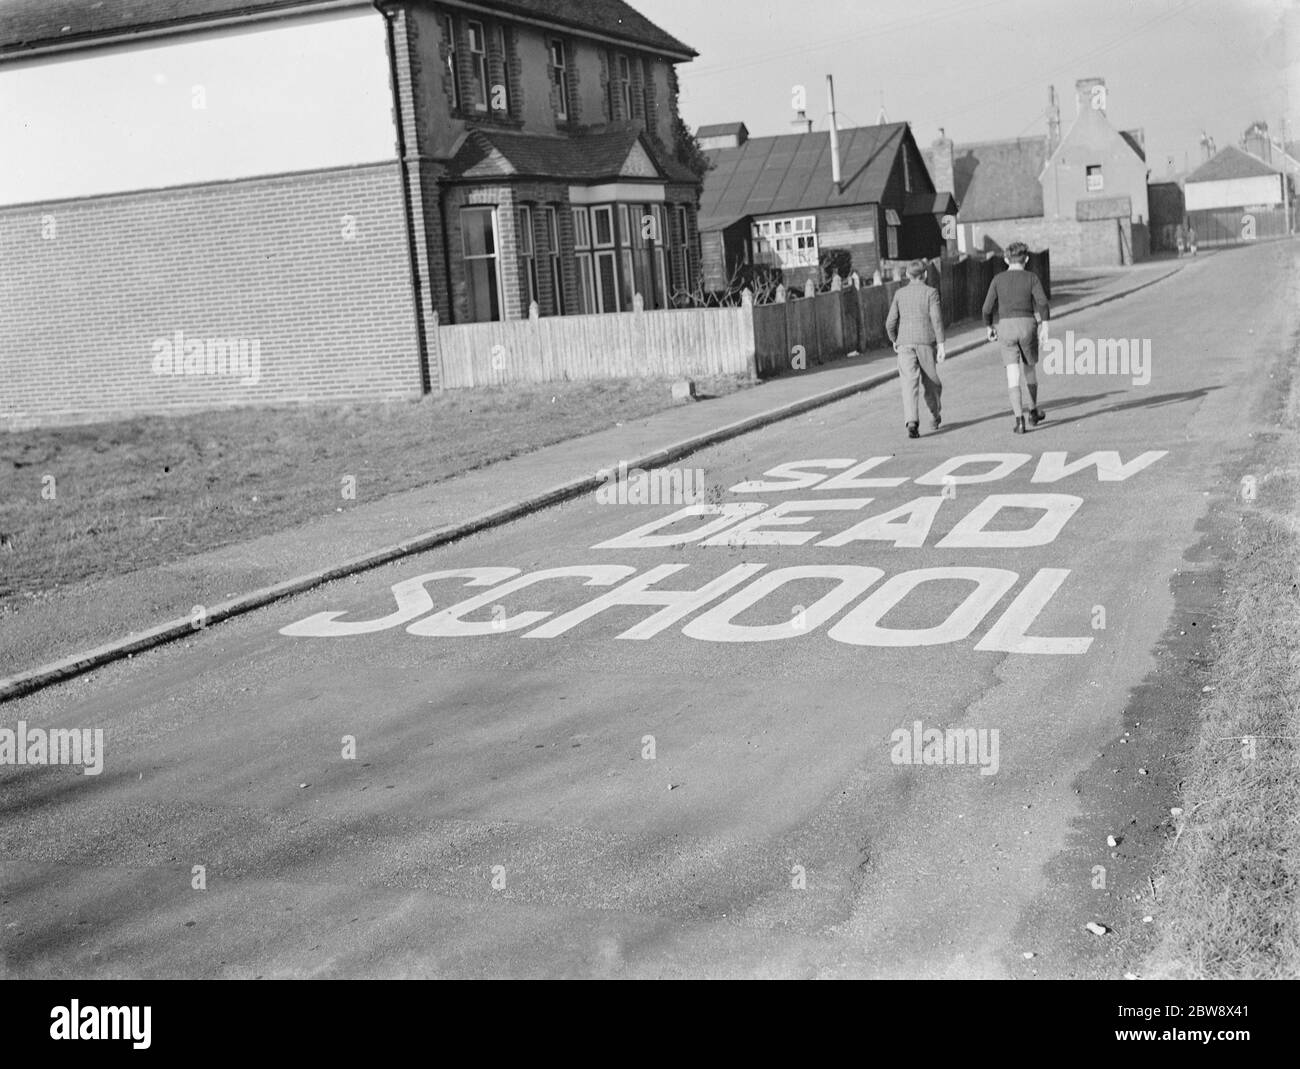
[1019, 428]
[934, 423]
[1036, 416]
[913, 430]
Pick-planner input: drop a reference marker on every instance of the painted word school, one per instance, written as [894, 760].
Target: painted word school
[710, 612]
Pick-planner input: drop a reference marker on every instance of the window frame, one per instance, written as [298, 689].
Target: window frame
[1093, 171]
[582, 254]
[453, 60]
[504, 52]
[551, 225]
[527, 254]
[480, 70]
[789, 242]
[623, 73]
[498, 304]
[560, 76]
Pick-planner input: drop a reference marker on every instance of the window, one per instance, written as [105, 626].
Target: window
[1093, 181]
[582, 254]
[606, 257]
[623, 86]
[648, 232]
[504, 55]
[478, 66]
[786, 242]
[527, 256]
[647, 81]
[449, 35]
[560, 79]
[479, 245]
[551, 226]
[683, 225]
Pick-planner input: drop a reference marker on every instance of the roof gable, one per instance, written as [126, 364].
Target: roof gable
[606, 154]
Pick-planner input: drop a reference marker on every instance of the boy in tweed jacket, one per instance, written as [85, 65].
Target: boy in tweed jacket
[915, 329]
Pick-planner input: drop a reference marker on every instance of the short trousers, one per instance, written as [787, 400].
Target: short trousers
[1019, 338]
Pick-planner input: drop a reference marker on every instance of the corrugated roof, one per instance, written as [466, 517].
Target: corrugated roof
[590, 157]
[1230, 162]
[792, 172]
[31, 24]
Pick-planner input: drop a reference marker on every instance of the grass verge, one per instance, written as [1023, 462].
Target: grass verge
[110, 498]
[1231, 872]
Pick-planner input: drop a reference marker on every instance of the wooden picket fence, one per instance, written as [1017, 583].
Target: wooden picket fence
[753, 340]
[686, 342]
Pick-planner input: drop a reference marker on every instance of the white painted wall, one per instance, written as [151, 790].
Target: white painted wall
[1234, 192]
[291, 95]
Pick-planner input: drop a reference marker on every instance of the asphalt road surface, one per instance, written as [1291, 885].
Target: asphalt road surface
[509, 770]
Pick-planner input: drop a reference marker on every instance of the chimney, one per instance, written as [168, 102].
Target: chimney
[1053, 120]
[801, 124]
[1090, 93]
[941, 170]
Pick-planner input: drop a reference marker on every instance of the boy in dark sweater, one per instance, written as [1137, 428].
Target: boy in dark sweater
[1017, 303]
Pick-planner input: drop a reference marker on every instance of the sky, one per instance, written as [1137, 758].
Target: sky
[981, 68]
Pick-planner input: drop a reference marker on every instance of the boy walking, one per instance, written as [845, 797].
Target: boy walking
[1017, 300]
[915, 329]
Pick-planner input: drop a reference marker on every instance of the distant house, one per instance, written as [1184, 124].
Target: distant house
[1233, 179]
[1085, 196]
[323, 178]
[773, 202]
[1235, 196]
[722, 135]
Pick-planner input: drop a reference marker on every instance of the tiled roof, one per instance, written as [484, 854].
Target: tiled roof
[999, 179]
[1230, 162]
[792, 172]
[28, 24]
[590, 157]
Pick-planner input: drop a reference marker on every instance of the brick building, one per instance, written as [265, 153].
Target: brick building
[772, 201]
[1083, 195]
[195, 187]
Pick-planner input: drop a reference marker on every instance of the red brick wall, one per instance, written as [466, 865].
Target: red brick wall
[266, 260]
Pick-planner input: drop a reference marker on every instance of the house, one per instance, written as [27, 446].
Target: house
[1084, 195]
[773, 202]
[327, 178]
[1235, 196]
[722, 135]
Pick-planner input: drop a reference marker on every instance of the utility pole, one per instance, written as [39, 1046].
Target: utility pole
[835, 135]
[1286, 185]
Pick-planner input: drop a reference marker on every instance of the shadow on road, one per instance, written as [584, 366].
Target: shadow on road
[1053, 405]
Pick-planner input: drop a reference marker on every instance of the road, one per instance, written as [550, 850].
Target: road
[544, 783]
